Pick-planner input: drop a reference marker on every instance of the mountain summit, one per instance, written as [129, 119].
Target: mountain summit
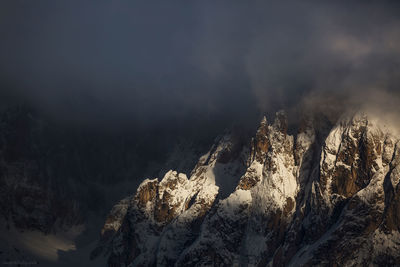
[328, 195]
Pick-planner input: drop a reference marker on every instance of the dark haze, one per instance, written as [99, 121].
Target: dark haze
[116, 64]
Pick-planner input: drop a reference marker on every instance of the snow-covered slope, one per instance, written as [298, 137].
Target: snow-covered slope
[327, 195]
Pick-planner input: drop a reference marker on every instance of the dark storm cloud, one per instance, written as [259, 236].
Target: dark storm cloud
[120, 61]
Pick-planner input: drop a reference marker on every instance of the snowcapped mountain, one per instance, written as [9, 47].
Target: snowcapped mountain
[327, 195]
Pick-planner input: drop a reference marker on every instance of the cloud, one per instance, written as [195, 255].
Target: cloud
[326, 50]
[146, 63]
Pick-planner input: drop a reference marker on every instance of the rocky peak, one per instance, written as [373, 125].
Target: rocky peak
[264, 121]
[261, 143]
[355, 145]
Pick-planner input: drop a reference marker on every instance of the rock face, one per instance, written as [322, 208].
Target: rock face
[53, 176]
[29, 199]
[329, 195]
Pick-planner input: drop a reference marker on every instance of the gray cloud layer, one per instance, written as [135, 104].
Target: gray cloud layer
[120, 61]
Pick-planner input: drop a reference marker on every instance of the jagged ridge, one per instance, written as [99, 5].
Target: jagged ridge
[329, 194]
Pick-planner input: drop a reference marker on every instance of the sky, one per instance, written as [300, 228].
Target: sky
[117, 63]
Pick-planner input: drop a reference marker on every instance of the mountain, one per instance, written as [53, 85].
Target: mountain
[325, 194]
[58, 182]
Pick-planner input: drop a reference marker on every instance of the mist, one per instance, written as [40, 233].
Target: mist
[117, 64]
